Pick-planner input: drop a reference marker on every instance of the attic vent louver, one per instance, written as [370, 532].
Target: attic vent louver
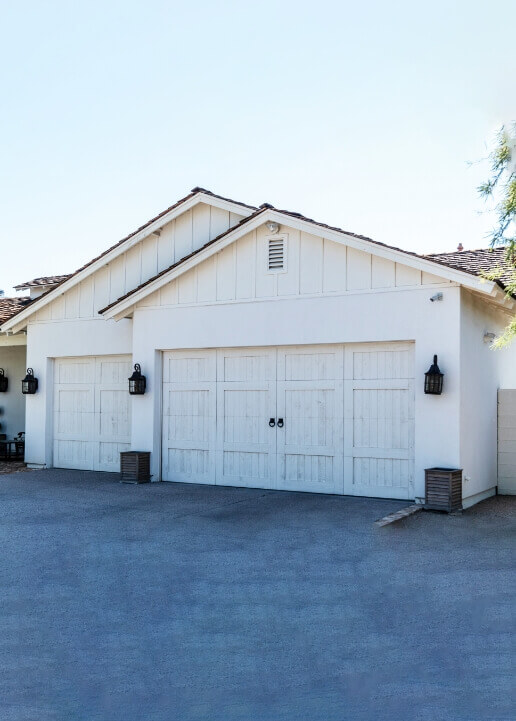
[276, 253]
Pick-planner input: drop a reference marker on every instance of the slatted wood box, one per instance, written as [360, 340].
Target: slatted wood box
[443, 489]
[135, 466]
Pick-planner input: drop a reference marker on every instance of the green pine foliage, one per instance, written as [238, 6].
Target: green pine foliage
[500, 189]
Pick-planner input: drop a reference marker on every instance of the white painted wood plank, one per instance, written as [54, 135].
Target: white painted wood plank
[187, 287]
[207, 280]
[383, 273]
[246, 266]
[183, 239]
[358, 270]
[288, 282]
[201, 225]
[406, 276]
[165, 246]
[310, 264]
[226, 273]
[86, 298]
[335, 266]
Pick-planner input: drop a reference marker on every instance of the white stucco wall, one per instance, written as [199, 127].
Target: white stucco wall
[12, 403]
[394, 315]
[483, 372]
[46, 341]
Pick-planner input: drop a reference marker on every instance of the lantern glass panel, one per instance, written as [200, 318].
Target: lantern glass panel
[137, 382]
[434, 379]
[29, 383]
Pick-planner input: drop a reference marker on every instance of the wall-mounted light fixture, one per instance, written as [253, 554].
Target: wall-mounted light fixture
[137, 382]
[4, 383]
[437, 296]
[489, 337]
[434, 379]
[272, 227]
[29, 383]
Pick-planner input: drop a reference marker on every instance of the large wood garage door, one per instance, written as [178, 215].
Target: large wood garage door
[92, 421]
[330, 419]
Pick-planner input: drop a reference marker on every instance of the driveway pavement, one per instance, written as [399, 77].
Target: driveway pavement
[169, 601]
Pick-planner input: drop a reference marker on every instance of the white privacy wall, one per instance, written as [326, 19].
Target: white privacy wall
[483, 372]
[354, 317]
[12, 403]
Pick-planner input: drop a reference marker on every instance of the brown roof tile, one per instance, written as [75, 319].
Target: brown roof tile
[46, 280]
[11, 306]
[477, 262]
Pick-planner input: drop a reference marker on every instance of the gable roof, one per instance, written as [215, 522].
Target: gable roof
[424, 262]
[196, 195]
[46, 280]
[11, 306]
[477, 262]
[180, 262]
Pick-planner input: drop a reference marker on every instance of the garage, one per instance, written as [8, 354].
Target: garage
[326, 419]
[92, 420]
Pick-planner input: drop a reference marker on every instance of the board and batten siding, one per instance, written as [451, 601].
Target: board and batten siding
[314, 266]
[180, 237]
[507, 442]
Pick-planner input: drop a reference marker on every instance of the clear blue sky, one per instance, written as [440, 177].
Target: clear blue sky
[362, 115]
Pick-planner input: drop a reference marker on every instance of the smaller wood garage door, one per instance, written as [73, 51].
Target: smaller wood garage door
[328, 419]
[92, 421]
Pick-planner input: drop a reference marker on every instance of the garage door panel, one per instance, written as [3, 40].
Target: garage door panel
[112, 371]
[310, 402]
[309, 472]
[246, 467]
[189, 416]
[382, 418]
[379, 421]
[246, 400]
[246, 412]
[382, 477]
[92, 421]
[309, 365]
[383, 364]
[114, 413]
[189, 367]
[69, 371]
[189, 407]
[73, 454]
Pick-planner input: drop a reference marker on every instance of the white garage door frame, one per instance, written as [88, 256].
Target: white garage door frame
[91, 412]
[347, 410]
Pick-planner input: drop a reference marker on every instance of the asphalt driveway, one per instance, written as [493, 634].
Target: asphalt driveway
[169, 601]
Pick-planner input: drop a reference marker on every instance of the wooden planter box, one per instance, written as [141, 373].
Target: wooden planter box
[443, 489]
[135, 466]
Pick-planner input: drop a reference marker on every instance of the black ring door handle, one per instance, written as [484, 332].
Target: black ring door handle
[272, 422]
[280, 423]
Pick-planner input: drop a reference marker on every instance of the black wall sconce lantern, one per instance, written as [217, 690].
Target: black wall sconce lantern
[434, 379]
[137, 382]
[3, 381]
[29, 384]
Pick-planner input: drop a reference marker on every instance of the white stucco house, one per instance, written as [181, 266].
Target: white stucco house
[279, 353]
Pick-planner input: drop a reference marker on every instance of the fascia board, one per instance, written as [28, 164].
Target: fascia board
[123, 248]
